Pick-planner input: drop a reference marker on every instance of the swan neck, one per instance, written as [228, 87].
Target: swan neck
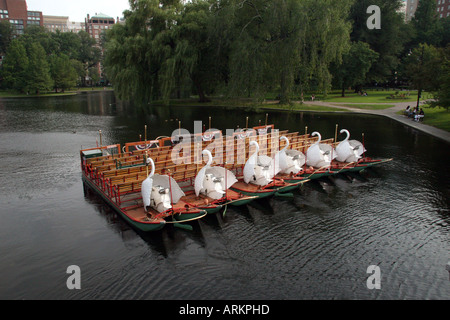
[153, 168]
[208, 163]
[287, 142]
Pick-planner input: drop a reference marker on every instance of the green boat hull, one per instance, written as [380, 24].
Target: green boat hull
[189, 216]
[259, 195]
[146, 227]
[210, 210]
[293, 184]
[361, 166]
[242, 202]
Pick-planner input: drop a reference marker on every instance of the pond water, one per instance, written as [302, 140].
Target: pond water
[317, 245]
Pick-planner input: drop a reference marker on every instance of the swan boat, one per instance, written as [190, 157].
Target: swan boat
[260, 176]
[117, 174]
[122, 190]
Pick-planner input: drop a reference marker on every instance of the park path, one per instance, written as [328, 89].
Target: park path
[391, 113]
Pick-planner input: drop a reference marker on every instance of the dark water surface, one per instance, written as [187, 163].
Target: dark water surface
[317, 245]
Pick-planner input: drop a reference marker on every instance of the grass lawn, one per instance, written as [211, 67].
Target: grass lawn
[248, 103]
[368, 106]
[436, 117]
[68, 92]
[372, 97]
[302, 107]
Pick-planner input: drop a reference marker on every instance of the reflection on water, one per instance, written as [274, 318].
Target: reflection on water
[316, 245]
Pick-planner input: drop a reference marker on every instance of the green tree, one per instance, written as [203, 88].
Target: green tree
[388, 41]
[79, 70]
[280, 43]
[354, 67]
[326, 39]
[67, 43]
[42, 36]
[63, 73]
[137, 52]
[89, 53]
[426, 24]
[194, 55]
[38, 71]
[5, 35]
[442, 98]
[94, 75]
[15, 66]
[423, 68]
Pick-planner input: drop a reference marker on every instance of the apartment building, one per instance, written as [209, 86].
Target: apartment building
[53, 23]
[16, 12]
[442, 8]
[63, 24]
[98, 23]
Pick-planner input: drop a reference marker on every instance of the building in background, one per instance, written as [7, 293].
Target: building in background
[442, 8]
[98, 23]
[411, 7]
[76, 26]
[53, 23]
[402, 9]
[63, 24]
[95, 26]
[16, 12]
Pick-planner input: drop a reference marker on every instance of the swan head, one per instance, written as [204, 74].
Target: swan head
[287, 142]
[315, 133]
[346, 132]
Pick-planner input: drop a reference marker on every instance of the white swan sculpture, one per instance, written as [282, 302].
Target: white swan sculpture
[212, 181]
[349, 150]
[159, 192]
[290, 160]
[320, 154]
[260, 170]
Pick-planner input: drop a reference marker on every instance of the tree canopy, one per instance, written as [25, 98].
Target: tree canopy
[39, 60]
[255, 49]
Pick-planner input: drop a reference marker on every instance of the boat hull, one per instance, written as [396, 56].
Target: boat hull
[259, 194]
[143, 226]
[188, 216]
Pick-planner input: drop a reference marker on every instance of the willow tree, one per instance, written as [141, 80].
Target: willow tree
[280, 43]
[326, 40]
[136, 52]
[194, 60]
